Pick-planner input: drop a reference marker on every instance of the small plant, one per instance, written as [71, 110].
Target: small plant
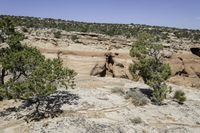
[24, 29]
[57, 34]
[74, 38]
[118, 91]
[180, 96]
[137, 98]
[136, 120]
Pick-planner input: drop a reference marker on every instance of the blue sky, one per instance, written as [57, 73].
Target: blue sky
[173, 13]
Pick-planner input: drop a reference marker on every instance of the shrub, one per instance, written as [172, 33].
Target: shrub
[137, 98]
[57, 34]
[180, 96]
[25, 73]
[150, 66]
[24, 29]
[74, 38]
[118, 91]
[136, 120]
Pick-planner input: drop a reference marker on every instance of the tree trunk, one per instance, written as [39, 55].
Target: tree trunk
[2, 76]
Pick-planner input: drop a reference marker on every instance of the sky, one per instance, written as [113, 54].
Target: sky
[171, 13]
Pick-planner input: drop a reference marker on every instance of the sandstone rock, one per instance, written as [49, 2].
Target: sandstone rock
[98, 70]
[185, 69]
[109, 68]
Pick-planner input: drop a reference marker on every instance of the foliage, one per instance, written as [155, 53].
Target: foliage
[133, 94]
[136, 97]
[180, 96]
[118, 91]
[24, 29]
[150, 66]
[136, 120]
[127, 30]
[25, 73]
[57, 34]
[74, 38]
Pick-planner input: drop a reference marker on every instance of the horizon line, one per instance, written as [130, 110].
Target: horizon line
[80, 21]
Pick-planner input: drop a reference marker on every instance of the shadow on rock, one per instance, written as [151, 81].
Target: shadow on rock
[37, 108]
[146, 92]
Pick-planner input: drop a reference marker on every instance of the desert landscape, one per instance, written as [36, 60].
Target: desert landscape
[106, 99]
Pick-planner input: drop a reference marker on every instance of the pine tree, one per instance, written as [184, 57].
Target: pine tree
[25, 73]
[150, 66]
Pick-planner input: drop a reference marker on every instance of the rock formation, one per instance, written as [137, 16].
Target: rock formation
[110, 68]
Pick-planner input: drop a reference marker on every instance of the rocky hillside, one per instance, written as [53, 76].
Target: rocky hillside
[85, 52]
[177, 38]
[105, 99]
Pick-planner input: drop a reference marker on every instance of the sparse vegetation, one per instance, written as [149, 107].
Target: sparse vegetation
[150, 66]
[126, 30]
[133, 94]
[179, 96]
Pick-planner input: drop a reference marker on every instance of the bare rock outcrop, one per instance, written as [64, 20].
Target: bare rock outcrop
[110, 68]
[185, 69]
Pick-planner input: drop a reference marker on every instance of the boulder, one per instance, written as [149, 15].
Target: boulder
[110, 68]
[185, 69]
[98, 70]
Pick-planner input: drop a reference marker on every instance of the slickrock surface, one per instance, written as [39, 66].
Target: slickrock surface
[100, 110]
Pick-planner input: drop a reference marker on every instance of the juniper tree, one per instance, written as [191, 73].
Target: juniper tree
[150, 66]
[25, 73]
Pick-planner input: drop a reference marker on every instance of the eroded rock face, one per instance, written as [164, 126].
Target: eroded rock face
[185, 69]
[110, 68]
[87, 49]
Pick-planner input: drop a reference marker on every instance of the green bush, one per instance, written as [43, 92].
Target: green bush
[180, 96]
[24, 71]
[74, 38]
[24, 29]
[57, 34]
[109, 29]
[150, 66]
